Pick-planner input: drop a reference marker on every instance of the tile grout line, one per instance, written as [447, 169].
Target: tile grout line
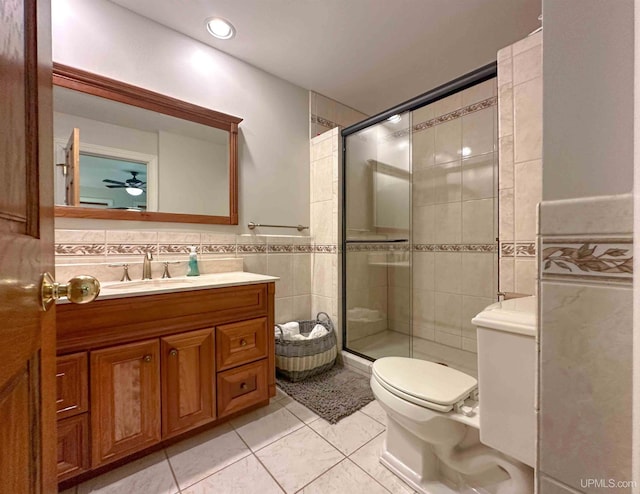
[175, 478]
[367, 473]
[262, 464]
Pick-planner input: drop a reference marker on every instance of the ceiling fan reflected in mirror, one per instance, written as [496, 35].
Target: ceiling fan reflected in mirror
[134, 186]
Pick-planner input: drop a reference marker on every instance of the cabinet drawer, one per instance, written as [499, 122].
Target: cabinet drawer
[242, 387]
[73, 446]
[241, 343]
[71, 385]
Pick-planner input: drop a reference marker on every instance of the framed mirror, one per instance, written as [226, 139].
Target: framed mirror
[126, 153]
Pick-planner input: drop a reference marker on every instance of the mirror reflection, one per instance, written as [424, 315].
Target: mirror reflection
[110, 155]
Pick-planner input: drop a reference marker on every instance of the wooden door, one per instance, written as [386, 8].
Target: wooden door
[188, 381]
[27, 334]
[125, 400]
[72, 169]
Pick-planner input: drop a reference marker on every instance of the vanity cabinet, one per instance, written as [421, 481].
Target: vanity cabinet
[188, 386]
[136, 372]
[125, 400]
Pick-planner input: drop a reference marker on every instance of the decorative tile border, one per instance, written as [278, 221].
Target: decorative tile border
[280, 249]
[377, 247]
[488, 248]
[588, 259]
[131, 249]
[507, 249]
[303, 249]
[517, 249]
[252, 248]
[325, 249]
[80, 249]
[447, 117]
[217, 248]
[316, 119]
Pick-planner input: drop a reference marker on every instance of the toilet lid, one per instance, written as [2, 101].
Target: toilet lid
[424, 381]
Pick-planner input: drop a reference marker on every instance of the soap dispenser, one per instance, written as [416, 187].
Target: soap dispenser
[193, 262]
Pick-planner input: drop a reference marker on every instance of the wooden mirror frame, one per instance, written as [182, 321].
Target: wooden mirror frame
[97, 85]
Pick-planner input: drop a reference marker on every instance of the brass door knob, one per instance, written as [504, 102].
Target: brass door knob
[243, 342]
[243, 386]
[173, 352]
[147, 358]
[80, 289]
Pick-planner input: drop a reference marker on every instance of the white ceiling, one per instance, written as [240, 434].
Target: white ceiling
[368, 54]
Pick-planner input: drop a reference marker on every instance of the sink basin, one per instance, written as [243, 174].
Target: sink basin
[166, 282]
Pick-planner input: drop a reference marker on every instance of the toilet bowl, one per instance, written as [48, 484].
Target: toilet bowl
[434, 438]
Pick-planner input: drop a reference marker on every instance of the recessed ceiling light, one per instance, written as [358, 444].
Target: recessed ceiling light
[220, 28]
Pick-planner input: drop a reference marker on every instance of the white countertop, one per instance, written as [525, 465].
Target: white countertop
[136, 288]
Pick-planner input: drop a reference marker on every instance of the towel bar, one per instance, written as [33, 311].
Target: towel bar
[253, 225]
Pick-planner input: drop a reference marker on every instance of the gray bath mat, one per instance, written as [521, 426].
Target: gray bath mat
[333, 395]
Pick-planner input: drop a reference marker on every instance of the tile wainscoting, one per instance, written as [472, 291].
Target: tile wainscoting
[586, 297]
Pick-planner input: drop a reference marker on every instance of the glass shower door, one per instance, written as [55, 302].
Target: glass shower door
[377, 239]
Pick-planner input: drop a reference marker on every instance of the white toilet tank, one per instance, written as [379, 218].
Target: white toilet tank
[507, 377]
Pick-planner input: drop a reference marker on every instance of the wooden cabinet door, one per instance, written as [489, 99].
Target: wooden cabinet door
[27, 335]
[188, 381]
[125, 400]
[73, 446]
[240, 343]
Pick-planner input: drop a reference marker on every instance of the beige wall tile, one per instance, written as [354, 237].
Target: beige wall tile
[448, 223]
[301, 274]
[322, 179]
[470, 345]
[425, 332]
[281, 265]
[424, 224]
[585, 382]
[477, 274]
[323, 222]
[324, 273]
[478, 132]
[448, 313]
[448, 104]
[528, 193]
[423, 186]
[423, 270]
[472, 306]
[424, 309]
[423, 114]
[527, 65]
[507, 275]
[527, 43]
[448, 272]
[283, 309]
[504, 53]
[528, 121]
[446, 179]
[505, 71]
[423, 145]
[525, 276]
[301, 307]
[550, 486]
[80, 236]
[477, 221]
[505, 168]
[448, 141]
[479, 92]
[506, 215]
[449, 339]
[478, 177]
[255, 263]
[505, 110]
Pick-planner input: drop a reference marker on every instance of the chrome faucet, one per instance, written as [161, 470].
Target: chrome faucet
[146, 266]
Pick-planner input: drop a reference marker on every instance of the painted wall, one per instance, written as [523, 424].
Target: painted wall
[107, 39]
[588, 123]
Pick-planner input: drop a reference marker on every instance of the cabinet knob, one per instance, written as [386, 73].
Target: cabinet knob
[173, 352]
[147, 358]
[243, 342]
[243, 386]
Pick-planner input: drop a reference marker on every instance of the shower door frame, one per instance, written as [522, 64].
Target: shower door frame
[463, 82]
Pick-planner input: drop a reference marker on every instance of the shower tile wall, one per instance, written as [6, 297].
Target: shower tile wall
[520, 181]
[326, 114]
[454, 144]
[325, 224]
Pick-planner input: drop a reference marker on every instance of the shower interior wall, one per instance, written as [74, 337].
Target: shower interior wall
[429, 178]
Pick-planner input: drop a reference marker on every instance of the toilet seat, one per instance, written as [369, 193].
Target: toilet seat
[424, 383]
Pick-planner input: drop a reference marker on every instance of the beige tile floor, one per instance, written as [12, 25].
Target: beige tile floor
[283, 447]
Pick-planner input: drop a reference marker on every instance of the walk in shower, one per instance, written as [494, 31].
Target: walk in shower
[420, 224]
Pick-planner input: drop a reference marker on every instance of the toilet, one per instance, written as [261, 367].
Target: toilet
[450, 433]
